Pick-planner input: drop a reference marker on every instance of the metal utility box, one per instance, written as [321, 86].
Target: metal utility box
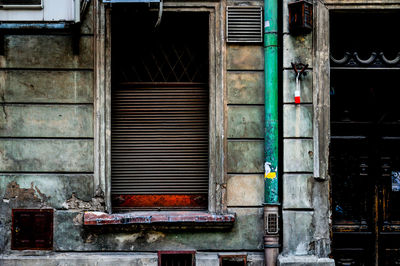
[300, 17]
[40, 11]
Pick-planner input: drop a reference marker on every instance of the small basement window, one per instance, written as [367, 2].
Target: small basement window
[232, 260]
[176, 258]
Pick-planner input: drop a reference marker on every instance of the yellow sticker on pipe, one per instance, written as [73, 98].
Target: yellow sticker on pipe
[270, 175]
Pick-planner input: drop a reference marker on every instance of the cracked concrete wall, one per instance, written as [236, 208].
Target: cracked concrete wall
[46, 124]
[46, 148]
[305, 203]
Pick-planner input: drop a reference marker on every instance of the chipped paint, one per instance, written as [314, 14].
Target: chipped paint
[78, 220]
[154, 236]
[95, 204]
[14, 191]
[99, 218]
[128, 238]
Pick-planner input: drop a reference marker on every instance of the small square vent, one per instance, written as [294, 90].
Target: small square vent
[32, 229]
[244, 24]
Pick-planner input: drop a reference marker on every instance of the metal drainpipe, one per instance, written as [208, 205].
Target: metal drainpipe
[271, 201]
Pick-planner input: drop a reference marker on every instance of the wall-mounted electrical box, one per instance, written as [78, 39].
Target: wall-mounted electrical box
[42, 11]
[300, 17]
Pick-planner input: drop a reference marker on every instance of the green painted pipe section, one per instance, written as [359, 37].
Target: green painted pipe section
[271, 101]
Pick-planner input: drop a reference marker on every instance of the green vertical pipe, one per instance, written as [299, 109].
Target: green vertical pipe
[271, 101]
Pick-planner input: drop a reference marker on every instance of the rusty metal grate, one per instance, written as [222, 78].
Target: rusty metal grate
[244, 24]
[272, 223]
[32, 229]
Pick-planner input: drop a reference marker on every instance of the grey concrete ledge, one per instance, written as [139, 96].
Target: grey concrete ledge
[304, 261]
[73, 259]
[113, 259]
[92, 218]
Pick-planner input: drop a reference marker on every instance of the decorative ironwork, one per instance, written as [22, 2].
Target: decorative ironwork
[375, 60]
[166, 62]
[173, 52]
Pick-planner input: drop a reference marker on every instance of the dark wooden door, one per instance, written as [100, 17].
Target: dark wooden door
[365, 137]
[365, 166]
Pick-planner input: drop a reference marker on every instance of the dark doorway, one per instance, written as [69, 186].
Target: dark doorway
[365, 138]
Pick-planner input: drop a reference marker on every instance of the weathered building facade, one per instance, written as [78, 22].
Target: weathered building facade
[181, 108]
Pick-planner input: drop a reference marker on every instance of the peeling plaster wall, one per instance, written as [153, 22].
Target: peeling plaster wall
[298, 181]
[46, 124]
[305, 203]
[46, 148]
[245, 124]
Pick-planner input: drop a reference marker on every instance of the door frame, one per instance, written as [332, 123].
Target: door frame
[321, 107]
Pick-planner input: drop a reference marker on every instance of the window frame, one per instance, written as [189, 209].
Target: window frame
[102, 100]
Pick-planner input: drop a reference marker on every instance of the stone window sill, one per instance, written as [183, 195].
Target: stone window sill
[162, 218]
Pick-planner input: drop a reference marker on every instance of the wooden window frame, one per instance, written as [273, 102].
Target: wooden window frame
[102, 102]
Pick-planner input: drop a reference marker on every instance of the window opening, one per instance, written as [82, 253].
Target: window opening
[176, 258]
[232, 260]
[159, 116]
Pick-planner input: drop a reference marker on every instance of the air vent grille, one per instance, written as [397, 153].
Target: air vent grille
[244, 24]
[272, 223]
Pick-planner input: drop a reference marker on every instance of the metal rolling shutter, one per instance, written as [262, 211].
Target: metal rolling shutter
[160, 145]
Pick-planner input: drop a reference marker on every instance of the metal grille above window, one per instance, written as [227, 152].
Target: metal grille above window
[176, 51]
[244, 24]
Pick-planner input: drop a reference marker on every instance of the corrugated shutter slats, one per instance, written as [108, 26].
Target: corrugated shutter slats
[159, 139]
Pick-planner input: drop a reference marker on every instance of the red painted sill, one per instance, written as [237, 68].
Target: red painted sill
[163, 218]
